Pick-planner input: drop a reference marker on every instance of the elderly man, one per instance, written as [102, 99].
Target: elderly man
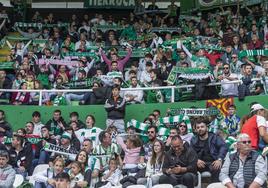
[244, 168]
[180, 164]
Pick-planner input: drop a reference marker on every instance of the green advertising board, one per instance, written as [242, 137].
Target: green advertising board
[107, 4]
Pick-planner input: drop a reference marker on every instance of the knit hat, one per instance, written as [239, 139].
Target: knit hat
[66, 135]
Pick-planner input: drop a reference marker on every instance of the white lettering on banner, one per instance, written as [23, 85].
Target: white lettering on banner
[111, 3]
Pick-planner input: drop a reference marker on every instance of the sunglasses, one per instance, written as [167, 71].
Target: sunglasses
[246, 142]
[234, 57]
[226, 68]
[182, 126]
[150, 131]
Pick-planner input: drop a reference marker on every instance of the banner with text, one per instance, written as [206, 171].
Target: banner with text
[107, 4]
[206, 4]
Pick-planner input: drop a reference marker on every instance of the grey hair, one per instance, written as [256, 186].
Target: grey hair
[241, 136]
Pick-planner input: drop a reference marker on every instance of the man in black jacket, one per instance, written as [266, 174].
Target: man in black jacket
[5, 128]
[210, 148]
[21, 155]
[179, 165]
[115, 107]
[57, 124]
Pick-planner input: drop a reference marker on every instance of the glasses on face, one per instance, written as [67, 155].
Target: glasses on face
[151, 132]
[246, 142]
[234, 57]
[225, 68]
[182, 126]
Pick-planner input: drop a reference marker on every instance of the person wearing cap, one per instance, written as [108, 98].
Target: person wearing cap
[7, 173]
[256, 126]
[65, 142]
[210, 148]
[243, 169]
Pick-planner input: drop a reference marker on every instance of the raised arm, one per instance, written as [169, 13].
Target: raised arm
[189, 54]
[2, 24]
[9, 45]
[105, 58]
[123, 61]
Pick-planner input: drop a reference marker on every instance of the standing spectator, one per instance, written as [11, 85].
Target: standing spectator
[57, 124]
[244, 168]
[228, 90]
[232, 121]
[255, 126]
[180, 165]
[5, 127]
[210, 148]
[7, 173]
[5, 83]
[115, 107]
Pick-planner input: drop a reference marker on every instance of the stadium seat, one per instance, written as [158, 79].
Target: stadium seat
[206, 174]
[18, 180]
[37, 169]
[198, 185]
[216, 185]
[163, 186]
[136, 186]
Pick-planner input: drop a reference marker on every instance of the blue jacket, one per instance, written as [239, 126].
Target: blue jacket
[216, 144]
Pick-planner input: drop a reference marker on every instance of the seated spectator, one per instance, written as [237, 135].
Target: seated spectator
[5, 127]
[63, 180]
[210, 148]
[21, 98]
[173, 132]
[179, 165]
[183, 132]
[154, 164]
[134, 96]
[74, 116]
[46, 178]
[57, 124]
[106, 147]
[76, 174]
[234, 174]
[5, 83]
[36, 120]
[111, 176]
[20, 156]
[7, 173]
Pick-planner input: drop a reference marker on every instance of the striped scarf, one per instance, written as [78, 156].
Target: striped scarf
[245, 53]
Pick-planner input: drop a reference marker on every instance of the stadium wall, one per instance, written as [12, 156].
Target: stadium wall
[17, 116]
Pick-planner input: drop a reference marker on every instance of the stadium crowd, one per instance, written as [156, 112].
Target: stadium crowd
[142, 50]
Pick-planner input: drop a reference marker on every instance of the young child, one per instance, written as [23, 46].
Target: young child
[111, 176]
[132, 149]
[76, 174]
[30, 80]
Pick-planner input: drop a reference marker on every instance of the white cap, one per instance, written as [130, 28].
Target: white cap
[256, 107]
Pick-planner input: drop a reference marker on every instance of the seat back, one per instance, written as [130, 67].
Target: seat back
[18, 180]
[136, 186]
[163, 186]
[37, 169]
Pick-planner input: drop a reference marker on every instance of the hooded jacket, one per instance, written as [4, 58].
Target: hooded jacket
[7, 177]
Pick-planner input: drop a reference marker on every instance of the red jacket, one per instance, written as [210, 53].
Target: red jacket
[213, 57]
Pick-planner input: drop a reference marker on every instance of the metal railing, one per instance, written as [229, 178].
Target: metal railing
[41, 92]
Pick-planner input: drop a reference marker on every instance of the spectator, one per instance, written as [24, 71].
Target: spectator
[36, 120]
[255, 126]
[183, 132]
[5, 127]
[21, 157]
[210, 148]
[63, 180]
[21, 98]
[232, 121]
[173, 132]
[154, 164]
[179, 165]
[57, 124]
[252, 174]
[115, 107]
[134, 97]
[7, 173]
[74, 117]
[47, 177]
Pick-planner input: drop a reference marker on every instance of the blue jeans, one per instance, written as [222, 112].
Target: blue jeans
[72, 96]
[44, 157]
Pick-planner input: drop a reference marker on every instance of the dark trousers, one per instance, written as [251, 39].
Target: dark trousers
[188, 179]
[214, 173]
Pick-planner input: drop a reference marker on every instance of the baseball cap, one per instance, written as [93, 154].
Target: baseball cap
[66, 135]
[256, 107]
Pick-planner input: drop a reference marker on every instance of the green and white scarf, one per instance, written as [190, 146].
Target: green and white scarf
[177, 119]
[6, 65]
[245, 53]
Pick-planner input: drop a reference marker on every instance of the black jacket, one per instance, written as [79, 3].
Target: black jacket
[115, 109]
[188, 159]
[8, 132]
[23, 158]
[39, 146]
